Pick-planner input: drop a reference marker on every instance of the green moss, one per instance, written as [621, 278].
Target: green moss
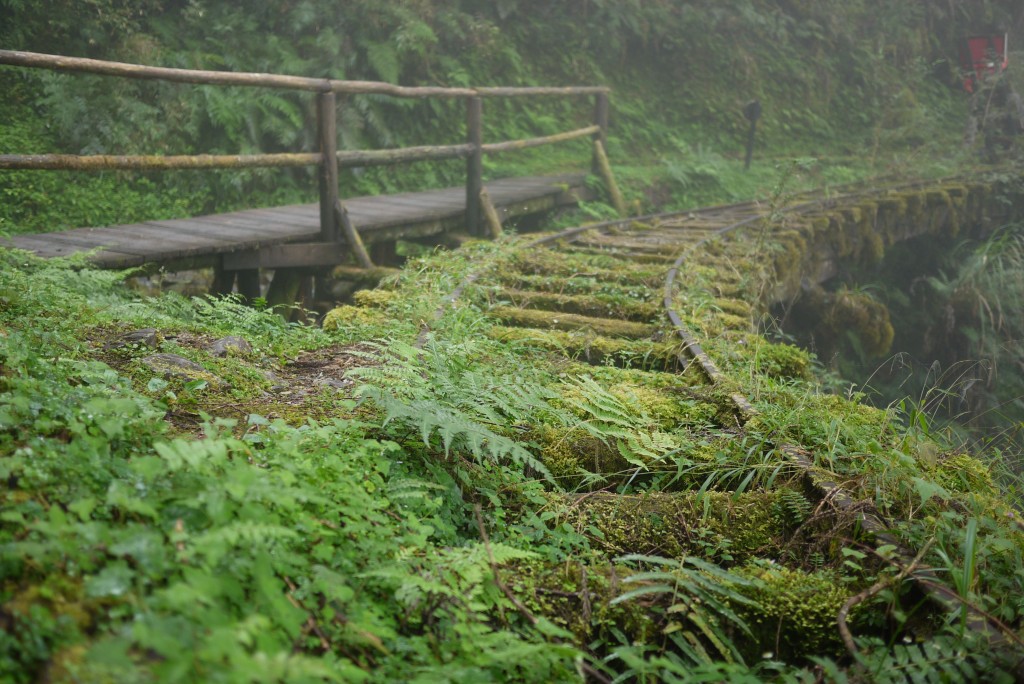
[866, 317]
[668, 410]
[345, 316]
[735, 307]
[678, 386]
[562, 265]
[578, 596]
[783, 361]
[582, 283]
[964, 474]
[605, 306]
[722, 321]
[793, 613]
[715, 524]
[591, 348]
[789, 250]
[873, 247]
[377, 299]
[533, 318]
[570, 452]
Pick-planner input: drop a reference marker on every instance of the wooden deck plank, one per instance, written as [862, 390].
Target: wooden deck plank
[140, 239]
[225, 230]
[383, 217]
[48, 248]
[81, 242]
[410, 200]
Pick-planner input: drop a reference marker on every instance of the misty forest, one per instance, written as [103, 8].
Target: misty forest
[512, 341]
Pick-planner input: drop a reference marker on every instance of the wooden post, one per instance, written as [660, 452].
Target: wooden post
[328, 177]
[355, 242]
[601, 109]
[249, 283]
[223, 281]
[385, 253]
[284, 290]
[752, 111]
[491, 214]
[604, 168]
[474, 163]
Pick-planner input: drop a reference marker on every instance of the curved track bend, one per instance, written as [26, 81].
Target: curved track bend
[690, 468]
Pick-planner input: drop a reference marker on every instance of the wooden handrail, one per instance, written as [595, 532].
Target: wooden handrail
[328, 158]
[153, 162]
[346, 158]
[39, 60]
[493, 148]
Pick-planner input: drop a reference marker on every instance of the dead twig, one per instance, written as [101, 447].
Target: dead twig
[874, 589]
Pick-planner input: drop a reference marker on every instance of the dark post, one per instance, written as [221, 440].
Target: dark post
[223, 281]
[753, 112]
[327, 133]
[601, 107]
[249, 283]
[474, 163]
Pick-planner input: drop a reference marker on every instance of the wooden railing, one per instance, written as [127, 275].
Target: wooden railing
[329, 158]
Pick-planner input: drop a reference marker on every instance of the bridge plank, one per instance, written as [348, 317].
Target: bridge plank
[48, 248]
[225, 230]
[384, 217]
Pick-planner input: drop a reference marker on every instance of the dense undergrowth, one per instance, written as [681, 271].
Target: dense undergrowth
[338, 504]
[436, 521]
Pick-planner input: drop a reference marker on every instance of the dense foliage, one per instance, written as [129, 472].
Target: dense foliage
[343, 504]
[837, 78]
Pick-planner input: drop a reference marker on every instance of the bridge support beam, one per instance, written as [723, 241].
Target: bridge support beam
[249, 283]
[223, 281]
[474, 163]
[290, 287]
[602, 107]
[326, 112]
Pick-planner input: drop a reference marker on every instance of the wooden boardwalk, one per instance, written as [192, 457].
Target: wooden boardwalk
[257, 237]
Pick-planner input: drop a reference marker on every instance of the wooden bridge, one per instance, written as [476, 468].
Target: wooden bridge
[296, 239]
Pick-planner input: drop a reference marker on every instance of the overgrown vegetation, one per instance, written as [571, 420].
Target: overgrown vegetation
[522, 485]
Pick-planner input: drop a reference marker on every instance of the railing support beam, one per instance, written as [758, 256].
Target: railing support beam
[326, 108]
[601, 108]
[474, 163]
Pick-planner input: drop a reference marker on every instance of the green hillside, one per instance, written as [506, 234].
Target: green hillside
[415, 489]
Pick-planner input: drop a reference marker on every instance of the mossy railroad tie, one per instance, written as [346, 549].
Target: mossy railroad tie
[597, 306]
[652, 460]
[554, 320]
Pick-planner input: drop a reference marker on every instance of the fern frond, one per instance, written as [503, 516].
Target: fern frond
[701, 593]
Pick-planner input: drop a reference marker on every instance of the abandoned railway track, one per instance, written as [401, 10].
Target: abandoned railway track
[684, 439]
[584, 447]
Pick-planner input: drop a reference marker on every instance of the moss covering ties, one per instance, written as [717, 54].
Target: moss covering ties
[592, 348]
[375, 299]
[793, 613]
[533, 318]
[783, 361]
[345, 315]
[722, 525]
[601, 306]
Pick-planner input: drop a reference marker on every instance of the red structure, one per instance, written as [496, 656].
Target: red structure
[981, 57]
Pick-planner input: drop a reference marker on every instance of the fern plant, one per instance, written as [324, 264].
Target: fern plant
[437, 392]
[607, 417]
[701, 617]
[943, 659]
